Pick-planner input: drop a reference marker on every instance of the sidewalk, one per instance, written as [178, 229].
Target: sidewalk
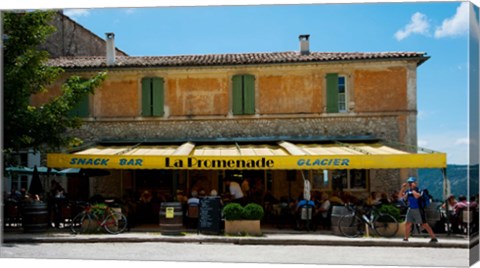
[270, 237]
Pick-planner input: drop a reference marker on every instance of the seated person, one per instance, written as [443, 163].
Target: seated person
[372, 200]
[335, 199]
[323, 210]
[192, 205]
[300, 204]
[193, 200]
[461, 205]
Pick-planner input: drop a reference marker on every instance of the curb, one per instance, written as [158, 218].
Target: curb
[265, 240]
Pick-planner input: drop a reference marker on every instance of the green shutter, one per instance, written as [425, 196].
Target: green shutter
[82, 108]
[146, 97]
[157, 96]
[237, 95]
[332, 93]
[249, 94]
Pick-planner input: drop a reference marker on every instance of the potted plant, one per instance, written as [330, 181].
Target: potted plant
[97, 210]
[395, 212]
[243, 220]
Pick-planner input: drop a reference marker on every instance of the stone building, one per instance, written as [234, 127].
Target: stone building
[72, 39]
[280, 103]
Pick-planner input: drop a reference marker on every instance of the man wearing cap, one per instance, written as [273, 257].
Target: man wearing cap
[415, 213]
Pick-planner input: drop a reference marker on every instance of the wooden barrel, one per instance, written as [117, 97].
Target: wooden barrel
[35, 217]
[171, 218]
[337, 213]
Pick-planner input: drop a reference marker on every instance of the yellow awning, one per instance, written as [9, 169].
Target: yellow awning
[283, 155]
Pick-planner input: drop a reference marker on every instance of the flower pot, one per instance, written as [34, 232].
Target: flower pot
[401, 229]
[390, 228]
[243, 227]
[91, 227]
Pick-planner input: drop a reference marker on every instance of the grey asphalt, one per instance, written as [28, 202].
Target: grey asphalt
[270, 237]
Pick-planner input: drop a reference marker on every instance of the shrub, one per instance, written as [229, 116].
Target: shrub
[233, 211]
[99, 209]
[391, 210]
[253, 211]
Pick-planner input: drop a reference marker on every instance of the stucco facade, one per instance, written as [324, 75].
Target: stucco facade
[286, 95]
[289, 101]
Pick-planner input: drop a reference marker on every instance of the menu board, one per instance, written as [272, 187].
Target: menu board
[209, 215]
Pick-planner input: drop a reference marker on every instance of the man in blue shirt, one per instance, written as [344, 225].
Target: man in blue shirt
[415, 213]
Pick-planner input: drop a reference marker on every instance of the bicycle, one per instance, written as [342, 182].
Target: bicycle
[355, 223]
[112, 221]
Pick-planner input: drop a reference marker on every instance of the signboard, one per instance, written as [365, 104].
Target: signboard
[210, 215]
[246, 162]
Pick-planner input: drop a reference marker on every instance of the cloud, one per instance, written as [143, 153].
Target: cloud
[129, 11]
[418, 25]
[462, 141]
[456, 25]
[76, 13]
[422, 143]
[424, 115]
[454, 143]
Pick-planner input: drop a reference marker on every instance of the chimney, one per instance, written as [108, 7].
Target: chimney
[304, 44]
[110, 48]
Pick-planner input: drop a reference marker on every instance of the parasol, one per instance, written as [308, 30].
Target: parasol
[27, 170]
[20, 170]
[36, 187]
[83, 172]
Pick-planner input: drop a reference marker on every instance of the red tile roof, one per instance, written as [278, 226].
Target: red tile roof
[232, 59]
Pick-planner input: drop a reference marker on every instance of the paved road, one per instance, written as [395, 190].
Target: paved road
[237, 253]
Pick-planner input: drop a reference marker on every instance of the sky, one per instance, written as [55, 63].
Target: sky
[438, 28]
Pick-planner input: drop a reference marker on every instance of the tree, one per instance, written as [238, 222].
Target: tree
[26, 72]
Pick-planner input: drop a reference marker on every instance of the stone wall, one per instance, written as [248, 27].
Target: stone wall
[385, 180]
[385, 127]
[72, 39]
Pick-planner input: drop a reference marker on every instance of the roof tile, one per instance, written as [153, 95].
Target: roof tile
[230, 59]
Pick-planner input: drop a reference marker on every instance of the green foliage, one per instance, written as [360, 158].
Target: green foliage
[233, 211]
[99, 210]
[391, 210]
[26, 73]
[253, 211]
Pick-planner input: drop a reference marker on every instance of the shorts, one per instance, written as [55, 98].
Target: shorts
[415, 215]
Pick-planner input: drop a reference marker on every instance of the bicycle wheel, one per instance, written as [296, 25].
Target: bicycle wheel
[385, 225]
[81, 223]
[115, 223]
[350, 225]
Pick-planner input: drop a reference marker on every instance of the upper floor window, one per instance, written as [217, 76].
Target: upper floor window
[337, 93]
[152, 96]
[243, 94]
[82, 108]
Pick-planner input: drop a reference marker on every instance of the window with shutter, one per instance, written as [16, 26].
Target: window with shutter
[82, 108]
[336, 93]
[243, 94]
[153, 96]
